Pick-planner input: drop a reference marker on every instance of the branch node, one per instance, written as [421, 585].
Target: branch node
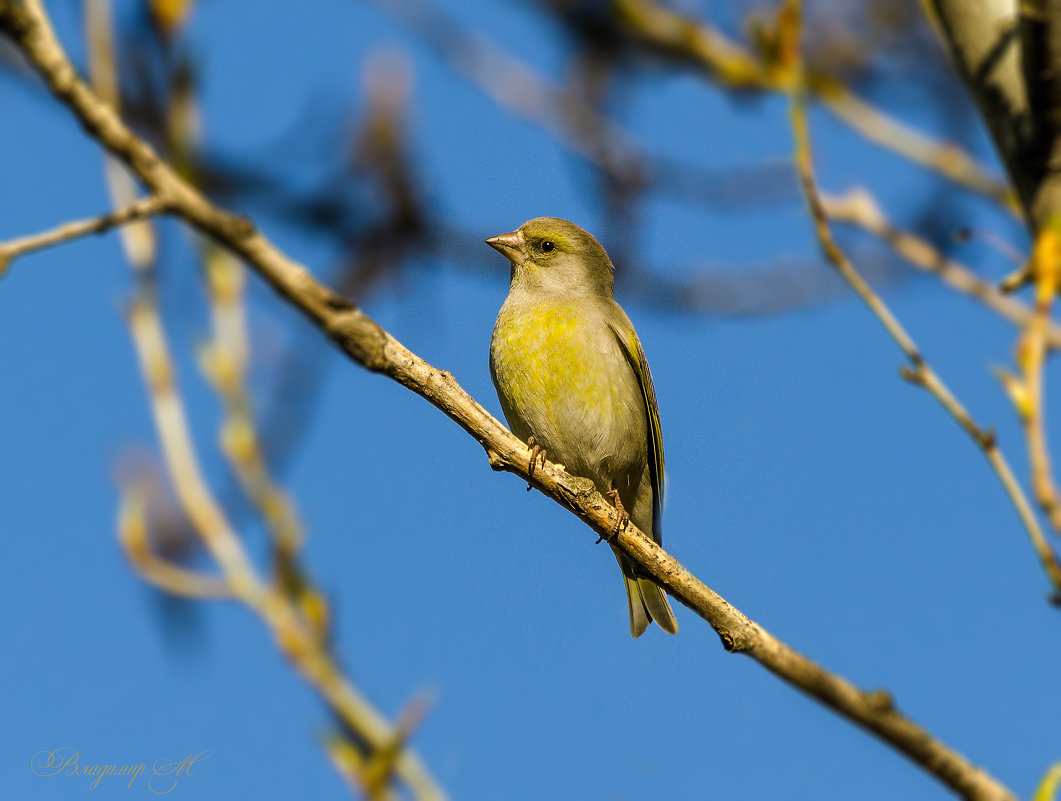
[988, 439]
[337, 302]
[915, 375]
[728, 641]
[239, 226]
[1015, 281]
[880, 700]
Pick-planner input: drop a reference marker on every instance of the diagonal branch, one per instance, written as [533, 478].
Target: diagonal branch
[919, 371]
[137, 210]
[736, 67]
[859, 208]
[176, 580]
[360, 338]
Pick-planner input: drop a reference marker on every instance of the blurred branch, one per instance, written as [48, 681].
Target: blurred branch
[859, 208]
[575, 123]
[225, 360]
[919, 371]
[293, 610]
[513, 85]
[1047, 272]
[135, 541]
[733, 66]
[884, 130]
[138, 238]
[295, 637]
[137, 210]
[1028, 392]
[1047, 789]
[368, 344]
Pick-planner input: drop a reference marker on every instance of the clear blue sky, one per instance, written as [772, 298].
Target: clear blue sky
[832, 502]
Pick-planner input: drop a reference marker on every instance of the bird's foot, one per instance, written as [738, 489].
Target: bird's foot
[624, 518]
[537, 452]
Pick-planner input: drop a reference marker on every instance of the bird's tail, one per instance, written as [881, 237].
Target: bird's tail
[647, 601]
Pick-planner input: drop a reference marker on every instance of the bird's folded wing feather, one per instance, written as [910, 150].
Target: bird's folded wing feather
[635, 354]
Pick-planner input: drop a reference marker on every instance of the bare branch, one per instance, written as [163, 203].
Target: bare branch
[566, 116]
[138, 210]
[289, 605]
[133, 537]
[734, 66]
[295, 636]
[944, 157]
[514, 86]
[919, 371]
[368, 344]
[859, 208]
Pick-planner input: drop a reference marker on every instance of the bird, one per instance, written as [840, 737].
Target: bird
[574, 383]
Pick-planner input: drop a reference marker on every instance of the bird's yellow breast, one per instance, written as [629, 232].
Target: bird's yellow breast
[562, 377]
[552, 354]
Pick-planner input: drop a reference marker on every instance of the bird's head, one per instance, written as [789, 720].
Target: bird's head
[555, 257]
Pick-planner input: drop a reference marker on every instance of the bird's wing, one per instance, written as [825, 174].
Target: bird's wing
[635, 354]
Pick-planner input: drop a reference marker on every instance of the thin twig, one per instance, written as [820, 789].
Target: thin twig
[224, 361]
[575, 121]
[945, 158]
[918, 371]
[364, 341]
[138, 239]
[858, 207]
[513, 85]
[134, 539]
[137, 210]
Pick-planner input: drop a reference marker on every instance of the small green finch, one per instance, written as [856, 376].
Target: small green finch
[574, 383]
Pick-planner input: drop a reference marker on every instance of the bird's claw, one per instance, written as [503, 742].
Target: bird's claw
[624, 518]
[537, 452]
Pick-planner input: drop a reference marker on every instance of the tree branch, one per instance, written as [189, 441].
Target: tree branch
[859, 208]
[134, 539]
[919, 371]
[736, 67]
[138, 210]
[359, 337]
[296, 635]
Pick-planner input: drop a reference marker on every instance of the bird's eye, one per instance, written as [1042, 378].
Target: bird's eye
[548, 246]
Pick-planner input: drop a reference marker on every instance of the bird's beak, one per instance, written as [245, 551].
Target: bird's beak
[510, 246]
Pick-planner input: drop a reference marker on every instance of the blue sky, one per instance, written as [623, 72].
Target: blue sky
[826, 498]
